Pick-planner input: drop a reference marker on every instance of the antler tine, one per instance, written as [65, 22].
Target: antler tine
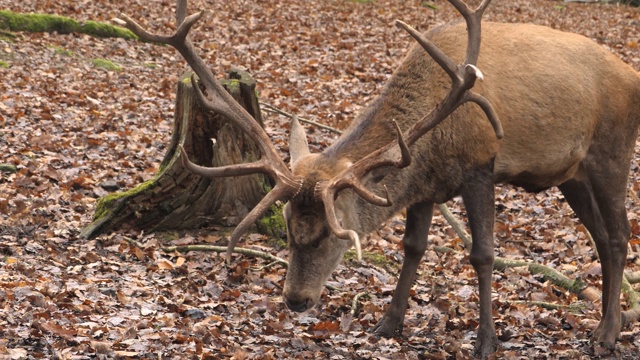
[277, 193]
[473, 18]
[383, 157]
[328, 198]
[405, 159]
[181, 11]
[224, 171]
[485, 105]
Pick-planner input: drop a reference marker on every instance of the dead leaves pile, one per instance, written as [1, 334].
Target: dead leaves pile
[76, 131]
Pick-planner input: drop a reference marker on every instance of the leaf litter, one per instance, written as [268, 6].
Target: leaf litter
[71, 127]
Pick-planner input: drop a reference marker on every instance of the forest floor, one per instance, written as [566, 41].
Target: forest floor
[70, 124]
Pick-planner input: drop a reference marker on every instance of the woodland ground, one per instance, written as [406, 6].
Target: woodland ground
[69, 125]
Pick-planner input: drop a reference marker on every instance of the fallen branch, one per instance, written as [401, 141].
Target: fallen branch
[354, 302]
[633, 314]
[576, 307]
[456, 225]
[222, 249]
[577, 286]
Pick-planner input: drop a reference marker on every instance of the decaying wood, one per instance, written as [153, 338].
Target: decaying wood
[176, 198]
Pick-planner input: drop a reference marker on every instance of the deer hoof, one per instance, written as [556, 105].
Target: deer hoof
[607, 332]
[388, 328]
[605, 338]
[486, 344]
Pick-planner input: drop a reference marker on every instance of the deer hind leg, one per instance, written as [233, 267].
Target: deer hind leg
[415, 244]
[610, 190]
[478, 197]
[598, 200]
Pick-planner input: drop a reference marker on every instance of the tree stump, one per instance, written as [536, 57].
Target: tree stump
[178, 199]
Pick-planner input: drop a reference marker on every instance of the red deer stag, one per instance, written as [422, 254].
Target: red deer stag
[570, 112]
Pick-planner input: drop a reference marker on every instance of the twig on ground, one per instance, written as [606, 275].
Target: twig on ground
[222, 249]
[8, 168]
[238, 250]
[576, 307]
[456, 225]
[443, 249]
[354, 302]
[134, 242]
[273, 109]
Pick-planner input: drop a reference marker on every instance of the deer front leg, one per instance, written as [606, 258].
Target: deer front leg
[415, 244]
[478, 199]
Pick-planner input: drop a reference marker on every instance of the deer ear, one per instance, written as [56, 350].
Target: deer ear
[298, 146]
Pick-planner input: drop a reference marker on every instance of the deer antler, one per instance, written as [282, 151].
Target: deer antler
[219, 101]
[463, 78]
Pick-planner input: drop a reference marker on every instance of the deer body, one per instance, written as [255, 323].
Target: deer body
[563, 112]
[570, 112]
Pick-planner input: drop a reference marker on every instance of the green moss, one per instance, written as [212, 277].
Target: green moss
[150, 65]
[107, 203]
[233, 85]
[376, 259]
[106, 64]
[60, 24]
[273, 225]
[7, 36]
[430, 5]
[4, 64]
[8, 168]
[167, 236]
[59, 50]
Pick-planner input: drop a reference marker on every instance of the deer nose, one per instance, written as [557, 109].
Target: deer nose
[298, 305]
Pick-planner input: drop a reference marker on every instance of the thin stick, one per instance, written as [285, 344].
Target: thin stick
[310, 122]
[354, 303]
[237, 250]
[221, 249]
[552, 306]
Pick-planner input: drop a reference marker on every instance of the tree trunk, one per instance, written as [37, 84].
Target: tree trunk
[177, 199]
